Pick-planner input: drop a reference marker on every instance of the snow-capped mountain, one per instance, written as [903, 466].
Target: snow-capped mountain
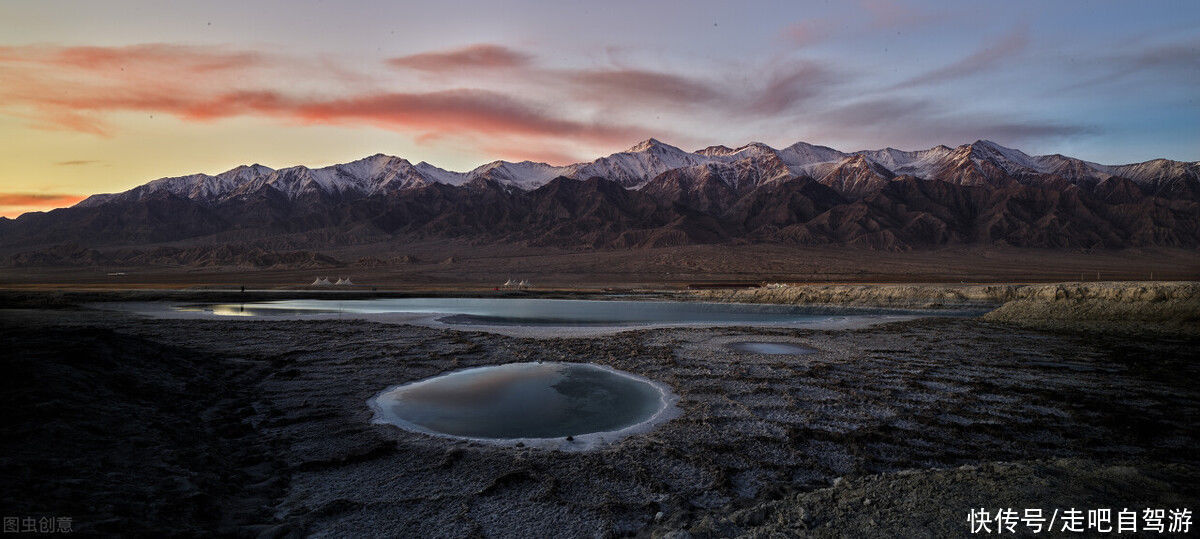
[855, 173]
[638, 164]
[525, 174]
[654, 194]
[856, 176]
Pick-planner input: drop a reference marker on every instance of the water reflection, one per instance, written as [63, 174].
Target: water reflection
[250, 309]
[228, 309]
[547, 312]
[523, 401]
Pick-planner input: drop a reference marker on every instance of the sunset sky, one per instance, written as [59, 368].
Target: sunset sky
[102, 96]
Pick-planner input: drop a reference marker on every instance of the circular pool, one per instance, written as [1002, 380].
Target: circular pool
[523, 402]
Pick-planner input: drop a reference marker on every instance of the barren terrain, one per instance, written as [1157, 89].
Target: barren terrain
[254, 428]
[462, 265]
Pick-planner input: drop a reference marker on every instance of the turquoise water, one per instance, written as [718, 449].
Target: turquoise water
[522, 401]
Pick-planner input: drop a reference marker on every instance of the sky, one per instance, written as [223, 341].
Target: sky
[103, 96]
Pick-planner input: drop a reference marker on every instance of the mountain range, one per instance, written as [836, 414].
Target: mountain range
[655, 194]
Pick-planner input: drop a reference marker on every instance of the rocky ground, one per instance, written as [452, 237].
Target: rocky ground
[184, 427]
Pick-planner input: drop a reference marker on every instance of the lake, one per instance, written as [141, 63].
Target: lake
[562, 313]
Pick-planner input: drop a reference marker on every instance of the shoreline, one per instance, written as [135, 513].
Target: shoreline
[1158, 307]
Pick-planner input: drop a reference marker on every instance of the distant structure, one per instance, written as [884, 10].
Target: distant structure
[344, 282]
[512, 284]
[321, 281]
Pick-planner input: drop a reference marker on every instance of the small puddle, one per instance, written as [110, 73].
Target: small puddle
[538, 404]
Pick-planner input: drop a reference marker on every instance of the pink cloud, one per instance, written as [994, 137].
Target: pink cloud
[789, 85]
[133, 59]
[807, 32]
[560, 112]
[482, 56]
[892, 14]
[72, 89]
[623, 85]
[471, 111]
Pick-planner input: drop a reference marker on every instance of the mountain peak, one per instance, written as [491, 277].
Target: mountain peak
[717, 150]
[379, 157]
[244, 173]
[759, 146]
[257, 168]
[860, 161]
[1010, 159]
[650, 144]
[802, 144]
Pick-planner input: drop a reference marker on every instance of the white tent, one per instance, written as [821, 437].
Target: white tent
[321, 281]
[345, 281]
[524, 284]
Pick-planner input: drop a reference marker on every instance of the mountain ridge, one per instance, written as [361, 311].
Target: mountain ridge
[979, 162]
[655, 195]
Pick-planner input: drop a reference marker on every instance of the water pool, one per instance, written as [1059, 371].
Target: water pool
[526, 402]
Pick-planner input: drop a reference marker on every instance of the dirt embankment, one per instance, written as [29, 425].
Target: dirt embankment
[1155, 307]
[873, 295]
[1168, 308]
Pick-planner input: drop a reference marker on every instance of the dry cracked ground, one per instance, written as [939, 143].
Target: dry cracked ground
[261, 428]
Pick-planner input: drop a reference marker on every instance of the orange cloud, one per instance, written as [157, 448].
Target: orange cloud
[14, 204]
[190, 58]
[72, 88]
[559, 111]
[482, 56]
[475, 111]
[66, 87]
[147, 61]
[38, 199]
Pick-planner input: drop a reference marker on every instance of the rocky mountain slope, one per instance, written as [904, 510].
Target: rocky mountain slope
[655, 194]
